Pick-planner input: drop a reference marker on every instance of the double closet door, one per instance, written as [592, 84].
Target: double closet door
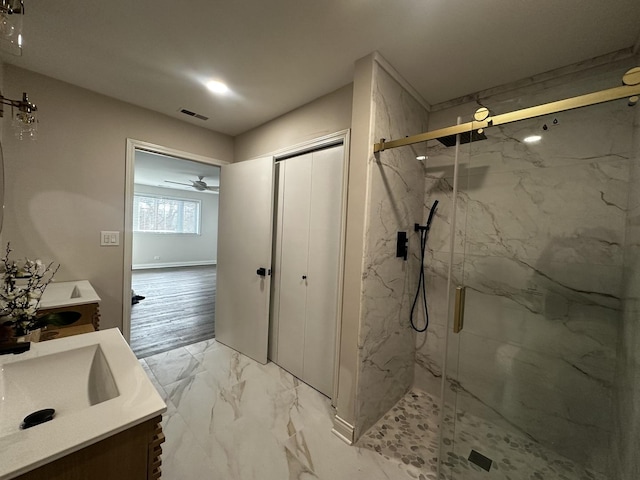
[306, 265]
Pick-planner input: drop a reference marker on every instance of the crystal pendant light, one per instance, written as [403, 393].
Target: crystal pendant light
[25, 120]
[11, 13]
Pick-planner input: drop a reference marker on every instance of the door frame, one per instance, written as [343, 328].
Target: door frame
[340, 137]
[127, 237]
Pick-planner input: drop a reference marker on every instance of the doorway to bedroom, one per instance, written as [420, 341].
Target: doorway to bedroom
[174, 236]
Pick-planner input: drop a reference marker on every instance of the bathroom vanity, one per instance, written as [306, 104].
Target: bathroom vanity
[77, 296]
[107, 412]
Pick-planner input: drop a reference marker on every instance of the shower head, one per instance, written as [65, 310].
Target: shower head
[465, 137]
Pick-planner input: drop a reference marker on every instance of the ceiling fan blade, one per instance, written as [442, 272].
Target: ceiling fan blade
[215, 189]
[178, 183]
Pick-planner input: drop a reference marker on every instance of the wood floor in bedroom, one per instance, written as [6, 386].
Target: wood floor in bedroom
[178, 308]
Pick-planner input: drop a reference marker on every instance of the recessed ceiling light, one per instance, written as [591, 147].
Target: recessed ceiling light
[421, 157]
[217, 87]
[532, 139]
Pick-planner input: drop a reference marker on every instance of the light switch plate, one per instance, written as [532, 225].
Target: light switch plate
[109, 238]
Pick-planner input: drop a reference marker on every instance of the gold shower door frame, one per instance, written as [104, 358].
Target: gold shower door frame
[630, 89]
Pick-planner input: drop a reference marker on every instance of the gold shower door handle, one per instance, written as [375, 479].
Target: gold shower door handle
[458, 314]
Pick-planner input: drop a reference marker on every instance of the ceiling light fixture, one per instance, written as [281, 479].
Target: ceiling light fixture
[217, 87]
[422, 158]
[11, 13]
[532, 139]
[23, 114]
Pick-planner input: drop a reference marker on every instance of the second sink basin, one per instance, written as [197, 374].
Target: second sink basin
[65, 294]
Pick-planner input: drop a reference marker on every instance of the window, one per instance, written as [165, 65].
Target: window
[157, 214]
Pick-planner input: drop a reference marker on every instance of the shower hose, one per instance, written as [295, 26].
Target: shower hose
[424, 232]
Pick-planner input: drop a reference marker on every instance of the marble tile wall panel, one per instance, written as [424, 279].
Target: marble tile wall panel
[627, 438]
[396, 186]
[541, 229]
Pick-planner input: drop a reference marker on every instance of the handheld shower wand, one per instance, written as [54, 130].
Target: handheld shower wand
[424, 232]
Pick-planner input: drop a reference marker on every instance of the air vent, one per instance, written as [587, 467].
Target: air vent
[193, 114]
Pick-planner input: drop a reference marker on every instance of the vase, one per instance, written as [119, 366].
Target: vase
[31, 336]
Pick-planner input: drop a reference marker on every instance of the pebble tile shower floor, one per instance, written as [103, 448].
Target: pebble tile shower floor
[409, 433]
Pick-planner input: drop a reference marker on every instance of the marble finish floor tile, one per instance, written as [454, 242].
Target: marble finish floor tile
[231, 418]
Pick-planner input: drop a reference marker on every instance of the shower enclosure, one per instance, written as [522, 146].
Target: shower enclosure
[539, 359]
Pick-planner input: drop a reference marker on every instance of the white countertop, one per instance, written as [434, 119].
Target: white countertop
[66, 294]
[69, 431]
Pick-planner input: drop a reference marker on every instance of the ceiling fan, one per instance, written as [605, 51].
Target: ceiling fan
[199, 184]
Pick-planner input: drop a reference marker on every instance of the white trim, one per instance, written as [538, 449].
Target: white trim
[343, 246]
[195, 263]
[127, 237]
[387, 67]
[343, 430]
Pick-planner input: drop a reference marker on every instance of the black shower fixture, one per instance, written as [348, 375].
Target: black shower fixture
[465, 137]
[424, 232]
[555, 122]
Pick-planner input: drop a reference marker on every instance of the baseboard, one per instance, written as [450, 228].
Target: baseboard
[343, 430]
[173, 264]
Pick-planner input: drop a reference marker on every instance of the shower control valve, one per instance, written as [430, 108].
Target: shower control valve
[402, 245]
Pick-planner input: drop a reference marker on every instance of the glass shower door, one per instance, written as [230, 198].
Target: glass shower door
[529, 378]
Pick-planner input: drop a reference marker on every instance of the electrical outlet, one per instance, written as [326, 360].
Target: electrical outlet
[109, 238]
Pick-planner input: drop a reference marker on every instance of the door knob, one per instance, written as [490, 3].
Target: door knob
[304, 277]
[261, 271]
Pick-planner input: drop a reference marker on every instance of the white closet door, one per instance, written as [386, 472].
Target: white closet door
[324, 256]
[244, 245]
[293, 262]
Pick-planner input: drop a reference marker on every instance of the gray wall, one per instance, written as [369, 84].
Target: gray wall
[62, 190]
[325, 115]
[179, 250]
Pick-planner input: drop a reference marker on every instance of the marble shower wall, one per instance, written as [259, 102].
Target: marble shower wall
[627, 437]
[386, 342]
[539, 235]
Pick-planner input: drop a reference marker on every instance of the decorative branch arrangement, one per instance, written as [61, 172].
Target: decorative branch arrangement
[21, 290]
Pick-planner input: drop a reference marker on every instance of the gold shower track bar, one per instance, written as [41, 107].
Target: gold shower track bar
[517, 115]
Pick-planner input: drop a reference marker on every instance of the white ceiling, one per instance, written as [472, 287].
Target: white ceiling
[154, 169]
[279, 54]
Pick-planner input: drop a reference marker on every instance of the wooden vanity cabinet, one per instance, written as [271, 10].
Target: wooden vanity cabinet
[89, 314]
[130, 455]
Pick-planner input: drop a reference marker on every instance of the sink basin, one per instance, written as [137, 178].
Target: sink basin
[67, 381]
[65, 294]
[93, 381]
